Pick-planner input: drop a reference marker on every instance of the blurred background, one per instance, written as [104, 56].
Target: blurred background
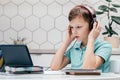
[41, 23]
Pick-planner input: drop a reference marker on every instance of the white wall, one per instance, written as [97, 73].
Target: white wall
[41, 22]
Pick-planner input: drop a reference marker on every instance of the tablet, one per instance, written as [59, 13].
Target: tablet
[16, 56]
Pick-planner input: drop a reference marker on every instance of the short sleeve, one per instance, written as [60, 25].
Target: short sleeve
[104, 50]
[67, 54]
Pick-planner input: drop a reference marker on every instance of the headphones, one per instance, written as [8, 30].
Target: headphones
[92, 13]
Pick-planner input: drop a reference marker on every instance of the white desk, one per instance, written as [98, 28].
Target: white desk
[103, 76]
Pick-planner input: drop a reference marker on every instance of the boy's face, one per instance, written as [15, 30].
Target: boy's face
[79, 28]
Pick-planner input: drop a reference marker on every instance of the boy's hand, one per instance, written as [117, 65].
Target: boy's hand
[69, 36]
[95, 31]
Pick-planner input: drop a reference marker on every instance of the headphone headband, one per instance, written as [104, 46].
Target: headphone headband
[92, 13]
[89, 10]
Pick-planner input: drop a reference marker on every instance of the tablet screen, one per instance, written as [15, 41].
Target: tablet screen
[16, 55]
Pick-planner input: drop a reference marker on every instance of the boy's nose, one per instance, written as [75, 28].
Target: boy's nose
[74, 31]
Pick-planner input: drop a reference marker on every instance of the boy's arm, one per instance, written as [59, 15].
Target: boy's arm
[59, 60]
[92, 61]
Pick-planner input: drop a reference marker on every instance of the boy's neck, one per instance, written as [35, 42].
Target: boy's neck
[84, 43]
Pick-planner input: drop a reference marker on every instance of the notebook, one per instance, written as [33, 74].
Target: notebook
[16, 56]
[82, 71]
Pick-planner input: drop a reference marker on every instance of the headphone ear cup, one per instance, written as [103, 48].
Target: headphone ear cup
[91, 25]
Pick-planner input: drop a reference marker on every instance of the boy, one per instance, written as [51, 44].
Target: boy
[87, 52]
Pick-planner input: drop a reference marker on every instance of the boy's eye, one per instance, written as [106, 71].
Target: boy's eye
[78, 27]
[71, 27]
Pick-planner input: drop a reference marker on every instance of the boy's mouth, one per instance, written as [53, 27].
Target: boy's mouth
[76, 36]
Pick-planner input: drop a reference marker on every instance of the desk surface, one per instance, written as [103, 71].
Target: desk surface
[115, 51]
[103, 76]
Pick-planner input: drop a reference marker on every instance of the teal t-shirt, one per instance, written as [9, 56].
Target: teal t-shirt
[76, 54]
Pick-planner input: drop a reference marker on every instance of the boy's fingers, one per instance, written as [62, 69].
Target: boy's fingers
[94, 25]
[98, 27]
